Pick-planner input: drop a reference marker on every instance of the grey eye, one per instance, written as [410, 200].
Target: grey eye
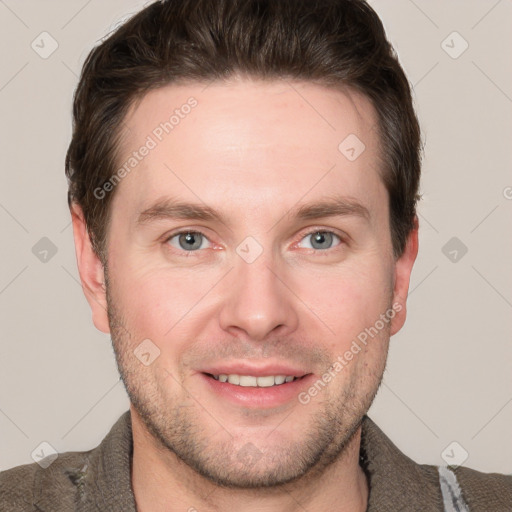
[188, 240]
[321, 240]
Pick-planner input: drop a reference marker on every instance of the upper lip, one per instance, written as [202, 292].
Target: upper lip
[245, 368]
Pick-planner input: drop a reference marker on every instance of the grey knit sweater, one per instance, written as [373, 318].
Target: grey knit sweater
[99, 480]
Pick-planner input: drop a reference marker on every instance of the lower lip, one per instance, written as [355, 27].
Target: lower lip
[257, 397]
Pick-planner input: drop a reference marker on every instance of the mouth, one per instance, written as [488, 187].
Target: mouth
[256, 391]
[254, 381]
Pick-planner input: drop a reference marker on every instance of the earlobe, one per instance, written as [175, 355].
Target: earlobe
[403, 269]
[91, 270]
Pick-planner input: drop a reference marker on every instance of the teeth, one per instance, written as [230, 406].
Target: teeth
[234, 379]
[247, 380]
[252, 381]
[279, 379]
[265, 382]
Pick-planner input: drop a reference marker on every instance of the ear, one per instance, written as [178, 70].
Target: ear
[91, 271]
[403, 269]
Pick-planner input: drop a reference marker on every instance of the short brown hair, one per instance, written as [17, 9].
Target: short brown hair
[329, 42]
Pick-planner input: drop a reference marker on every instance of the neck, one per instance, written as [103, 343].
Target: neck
[161, 482]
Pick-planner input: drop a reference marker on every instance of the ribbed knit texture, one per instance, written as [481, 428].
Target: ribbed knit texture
[99, 479]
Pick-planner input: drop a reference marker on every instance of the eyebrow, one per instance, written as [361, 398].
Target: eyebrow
[170, 209]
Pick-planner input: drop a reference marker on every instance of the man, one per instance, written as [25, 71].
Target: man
[243, 178]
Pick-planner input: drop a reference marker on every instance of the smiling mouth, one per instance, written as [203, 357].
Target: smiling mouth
[255, 381]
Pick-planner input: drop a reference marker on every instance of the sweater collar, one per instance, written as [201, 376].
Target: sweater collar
[396, 482]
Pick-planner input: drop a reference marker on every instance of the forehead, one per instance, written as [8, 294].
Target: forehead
[260, 144]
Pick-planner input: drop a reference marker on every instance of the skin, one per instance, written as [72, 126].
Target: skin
[254, 151]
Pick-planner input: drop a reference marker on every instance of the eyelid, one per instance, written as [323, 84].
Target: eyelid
[302, 236]
[320, 229]
[182, 231]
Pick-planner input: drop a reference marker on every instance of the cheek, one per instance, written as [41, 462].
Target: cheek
[350, 300]
[153, 302]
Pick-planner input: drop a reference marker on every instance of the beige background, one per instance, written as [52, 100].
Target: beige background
[449, 371]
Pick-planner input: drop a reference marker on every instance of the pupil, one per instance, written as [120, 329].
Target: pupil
[321, 238]
[190, 241]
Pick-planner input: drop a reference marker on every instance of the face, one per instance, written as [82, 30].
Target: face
[244, 243]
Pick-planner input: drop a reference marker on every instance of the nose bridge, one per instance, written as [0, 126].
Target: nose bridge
[257, 302]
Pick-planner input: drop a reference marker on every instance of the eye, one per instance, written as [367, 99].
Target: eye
[192, 241]
[320, 240]
[188, 241]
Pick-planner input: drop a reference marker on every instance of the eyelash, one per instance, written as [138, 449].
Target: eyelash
[188, 254]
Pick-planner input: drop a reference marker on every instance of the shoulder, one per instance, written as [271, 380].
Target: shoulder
[25, 487]
[16, 487]
[97, 479]
[399, 483]
[485, 491]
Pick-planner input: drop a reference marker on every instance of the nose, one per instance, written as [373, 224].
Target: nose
[258, 301]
